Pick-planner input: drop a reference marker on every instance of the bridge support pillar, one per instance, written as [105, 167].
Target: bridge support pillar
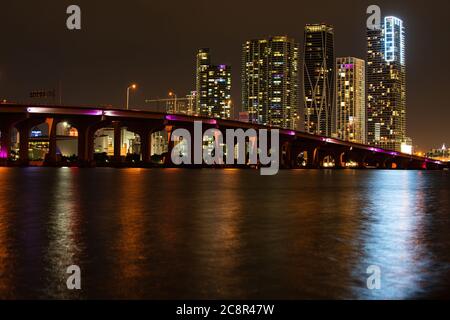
[145, 146]
[83, 156]
[145, 137]
[117, 141]
[362, 161]
[338, 162]
[170, 146]
[24, 139]
[51, 156]
[5, 143]
[286, 155]
[312, 158]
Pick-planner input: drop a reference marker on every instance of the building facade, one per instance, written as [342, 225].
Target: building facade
[386, 85]
[213, 84]
[318, 79]
[350, 100]
[442, 154]
[270, 81]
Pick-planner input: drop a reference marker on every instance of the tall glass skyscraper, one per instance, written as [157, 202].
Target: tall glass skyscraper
[270, 81]
[350, 100]
[386, 85]
[318, 79]
[213, 84]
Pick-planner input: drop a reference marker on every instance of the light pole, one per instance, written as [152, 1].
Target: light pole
[133, 86]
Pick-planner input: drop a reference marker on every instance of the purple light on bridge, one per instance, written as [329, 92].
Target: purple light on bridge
[93, 112]
[110, 113]
[432, 161]
[87, 112]
[38, 110]
[289, 132]
[210, 121]
[393, 153]
[3, 153]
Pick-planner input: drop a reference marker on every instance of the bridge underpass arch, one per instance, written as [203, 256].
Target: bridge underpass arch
[103, 144]
[375, 160]
[7, 126]
[305, 156]
[114, 142]
[66, 142]
[332, 158]
[131, 146]
[354, 158]
[301, 161]
[159, 145]
[390, 164]
[328, 161]
[398, 163]
[301, 158]
[11, 148]
[31, 140]
[245, 150]
[5, 142]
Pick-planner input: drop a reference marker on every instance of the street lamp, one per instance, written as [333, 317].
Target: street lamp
[133, 86]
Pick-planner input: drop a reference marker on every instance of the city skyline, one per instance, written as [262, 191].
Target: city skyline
[224, 159]
[33, 59]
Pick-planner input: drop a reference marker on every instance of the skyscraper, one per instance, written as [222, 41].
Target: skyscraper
[318, 79]
[213, 87]
[350, 100]
[201, 76]
[270, 81]
[386, 85]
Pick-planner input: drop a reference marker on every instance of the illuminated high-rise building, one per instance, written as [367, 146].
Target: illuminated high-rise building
[270, 81]
[350, 100]
[213, 87]
[386, 85]
[201, 75]
[318, 79]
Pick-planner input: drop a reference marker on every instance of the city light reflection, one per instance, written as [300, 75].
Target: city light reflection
[393, 235]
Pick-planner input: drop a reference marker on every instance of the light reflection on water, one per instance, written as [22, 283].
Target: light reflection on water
[190, 234]
[395, 235]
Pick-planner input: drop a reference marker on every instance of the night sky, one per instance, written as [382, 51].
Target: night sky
[153, 43]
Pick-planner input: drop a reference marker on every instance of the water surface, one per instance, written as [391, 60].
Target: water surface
[231, 234]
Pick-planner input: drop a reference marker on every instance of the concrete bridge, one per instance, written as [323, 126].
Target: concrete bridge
[297, 149]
